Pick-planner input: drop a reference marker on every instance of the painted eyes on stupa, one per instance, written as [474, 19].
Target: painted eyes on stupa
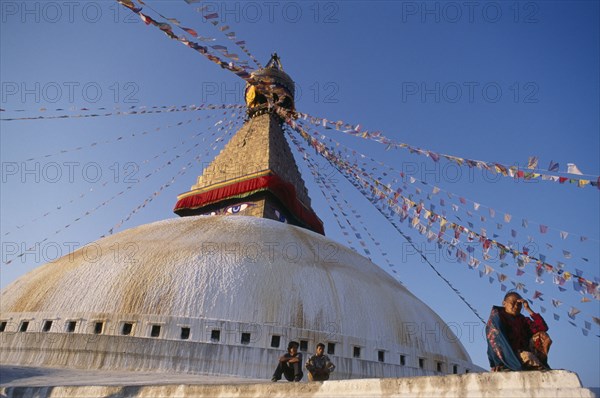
[237, 208]
[280, 217]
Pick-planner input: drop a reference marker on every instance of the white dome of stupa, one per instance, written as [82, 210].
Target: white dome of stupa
[203, 292]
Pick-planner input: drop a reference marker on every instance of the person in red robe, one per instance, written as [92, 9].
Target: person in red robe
[517, 342]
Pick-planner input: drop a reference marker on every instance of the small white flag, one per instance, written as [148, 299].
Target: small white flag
[572, 169]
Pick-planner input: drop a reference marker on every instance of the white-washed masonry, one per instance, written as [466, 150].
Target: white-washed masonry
[186, 295]
[191, 344]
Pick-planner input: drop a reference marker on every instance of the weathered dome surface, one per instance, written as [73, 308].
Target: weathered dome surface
[237, 269]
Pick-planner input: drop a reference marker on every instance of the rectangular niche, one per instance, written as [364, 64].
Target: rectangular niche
[126, 328]
[245, 338]
[47, 326]
[24, 325]
[98, 327]
[155, 331]
[331, 348]
[70, 326]
[439, 366]
[275, 341]
[304, 345]
[185, 333]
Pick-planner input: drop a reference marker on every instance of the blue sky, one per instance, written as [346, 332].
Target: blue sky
[494, 81]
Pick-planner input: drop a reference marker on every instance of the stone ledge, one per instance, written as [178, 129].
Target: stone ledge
[558, 383]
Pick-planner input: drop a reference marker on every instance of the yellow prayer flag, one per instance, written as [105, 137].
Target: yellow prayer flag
[415, 221]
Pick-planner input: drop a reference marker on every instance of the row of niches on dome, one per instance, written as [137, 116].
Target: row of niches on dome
[138, 330]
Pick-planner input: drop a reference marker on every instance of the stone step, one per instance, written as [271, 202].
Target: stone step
[558, 383]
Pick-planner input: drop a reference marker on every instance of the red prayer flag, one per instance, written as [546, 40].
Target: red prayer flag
[191, 31]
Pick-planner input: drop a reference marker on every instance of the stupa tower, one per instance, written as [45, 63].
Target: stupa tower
[255, 174]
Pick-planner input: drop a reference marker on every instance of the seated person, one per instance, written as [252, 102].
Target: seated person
[319, 366]
[517, 342]
[290, 364]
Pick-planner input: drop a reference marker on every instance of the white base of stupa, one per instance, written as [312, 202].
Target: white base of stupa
[45, 382]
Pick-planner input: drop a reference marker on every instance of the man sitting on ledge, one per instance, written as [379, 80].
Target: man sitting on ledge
[516, 342]
[289, 364]
[319, 366]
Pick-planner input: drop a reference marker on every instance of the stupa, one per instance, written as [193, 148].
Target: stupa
[222, 289]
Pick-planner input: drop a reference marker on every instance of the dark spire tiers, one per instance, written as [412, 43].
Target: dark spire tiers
[255, 174]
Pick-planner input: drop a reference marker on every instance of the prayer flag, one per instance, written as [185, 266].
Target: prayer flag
[573, 312]
[572, 169]
[556, 303]
[532, 162]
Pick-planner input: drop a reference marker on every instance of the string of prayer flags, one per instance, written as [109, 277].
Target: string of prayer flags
[521, 287]
[114, 140]
[105, 182]
[321, 180]
[142, 110]
[436, 190]
[104, 203]
[213, 19]
[590, 286]
[345, 169]
[336, 162]
[328, 199]
[507, 171]
[229, 126]
[316, 145]
[194, 34]
[239, 71]
[115, 108]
